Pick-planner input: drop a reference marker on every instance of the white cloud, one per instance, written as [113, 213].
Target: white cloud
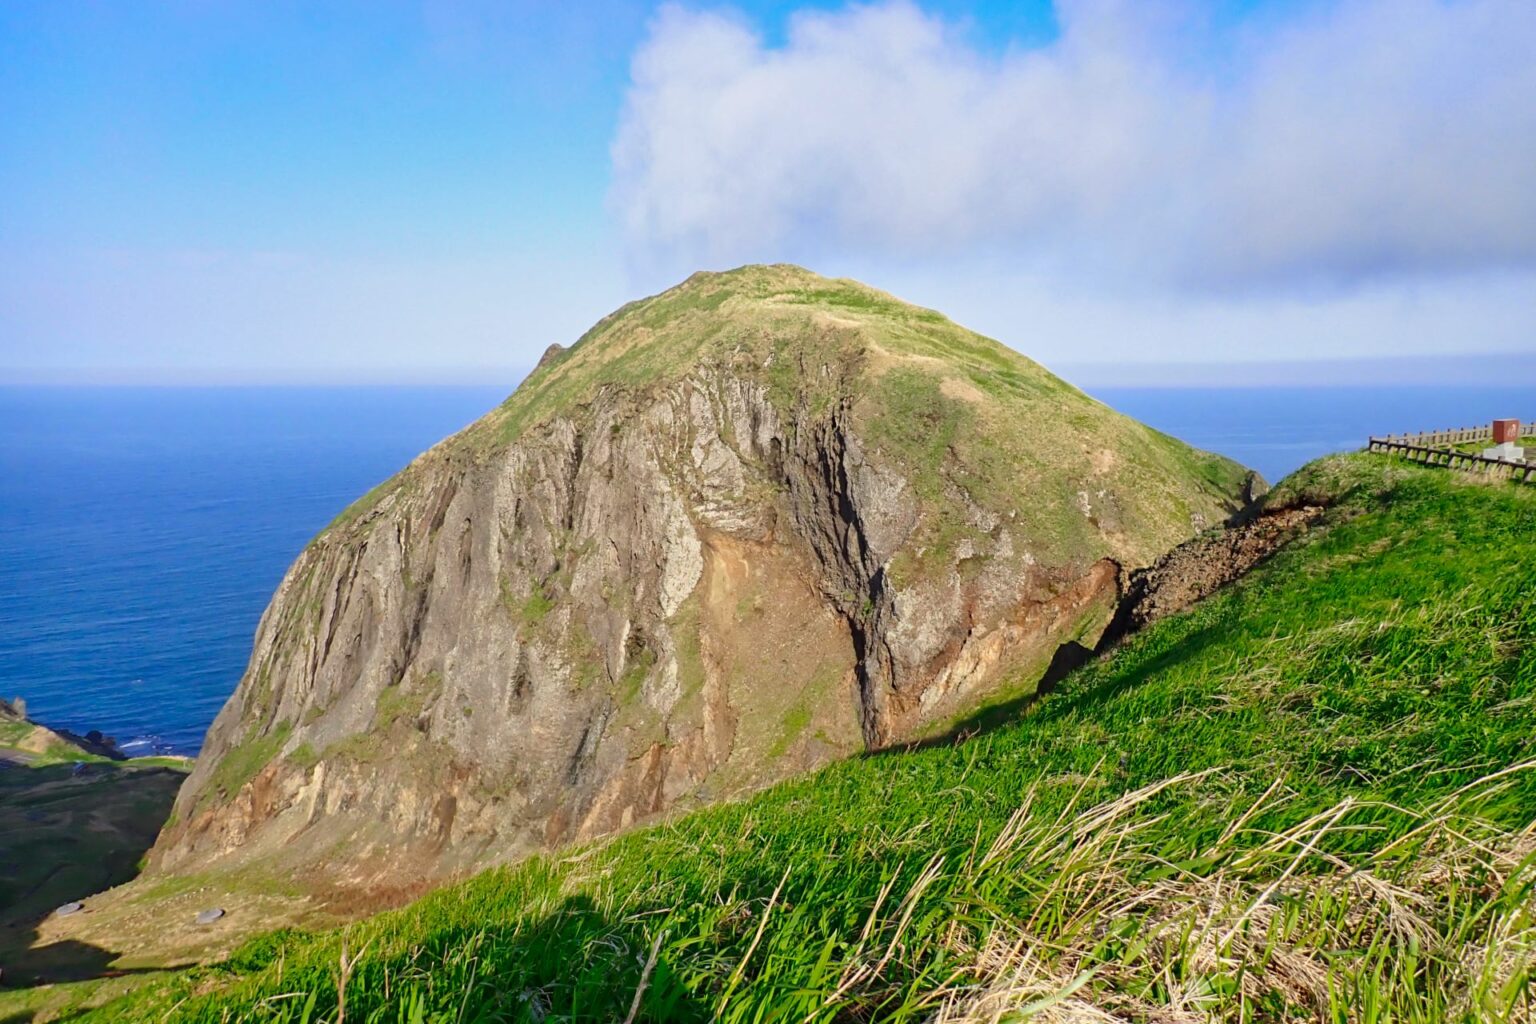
[1361, 141]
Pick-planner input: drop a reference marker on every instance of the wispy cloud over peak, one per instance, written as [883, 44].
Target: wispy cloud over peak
[1362, 140]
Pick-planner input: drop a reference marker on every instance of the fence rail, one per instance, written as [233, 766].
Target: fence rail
[1525, 472]
[1451, 435]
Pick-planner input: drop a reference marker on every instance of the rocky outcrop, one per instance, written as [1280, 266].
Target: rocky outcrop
[623, 593]
[23, 739]
[1201, 566]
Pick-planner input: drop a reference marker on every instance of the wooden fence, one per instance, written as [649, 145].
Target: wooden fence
[1454, 435]
[1451, 435]
[1522, 471]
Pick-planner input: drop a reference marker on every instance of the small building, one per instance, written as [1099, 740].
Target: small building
[1506, 442]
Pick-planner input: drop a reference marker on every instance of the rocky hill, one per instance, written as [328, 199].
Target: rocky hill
[757, 522]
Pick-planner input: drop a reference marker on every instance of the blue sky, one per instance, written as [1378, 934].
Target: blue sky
[220, 191]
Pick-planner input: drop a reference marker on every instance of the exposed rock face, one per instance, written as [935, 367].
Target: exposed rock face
[753, 524]
[1198, 568]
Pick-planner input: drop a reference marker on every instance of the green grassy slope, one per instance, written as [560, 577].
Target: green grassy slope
[1310, 797]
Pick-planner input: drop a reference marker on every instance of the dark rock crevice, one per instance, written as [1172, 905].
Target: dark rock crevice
[827, 514]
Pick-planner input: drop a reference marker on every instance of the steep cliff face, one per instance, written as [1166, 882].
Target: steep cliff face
[752, 524]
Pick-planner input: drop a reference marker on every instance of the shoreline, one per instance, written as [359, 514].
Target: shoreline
[26, 742]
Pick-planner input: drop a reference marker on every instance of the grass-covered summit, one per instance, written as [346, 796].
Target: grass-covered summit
[956, 410]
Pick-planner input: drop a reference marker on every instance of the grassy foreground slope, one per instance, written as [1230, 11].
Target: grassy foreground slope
[1310, 797]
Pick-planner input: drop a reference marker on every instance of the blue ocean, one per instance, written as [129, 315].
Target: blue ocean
[142, 531]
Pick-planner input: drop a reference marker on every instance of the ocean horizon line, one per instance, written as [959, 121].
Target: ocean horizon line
[1488, 369]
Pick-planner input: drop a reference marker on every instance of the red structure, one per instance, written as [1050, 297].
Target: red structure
[1506, 431]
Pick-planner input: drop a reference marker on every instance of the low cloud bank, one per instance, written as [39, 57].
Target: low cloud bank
[1364, 141]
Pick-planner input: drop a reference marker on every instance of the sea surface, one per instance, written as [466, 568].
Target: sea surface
[142, 531]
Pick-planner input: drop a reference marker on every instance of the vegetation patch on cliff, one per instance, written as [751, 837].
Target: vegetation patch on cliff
[1306, 798]
[242, 763]
[397, 710]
